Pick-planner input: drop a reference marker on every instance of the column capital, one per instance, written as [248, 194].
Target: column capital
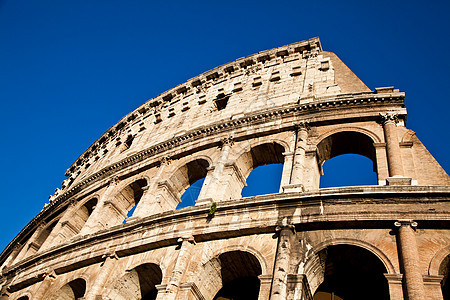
[280, 228]
[405, 222]
[303, 125]
[189, 239]
[114, 181]
[388, 117]
[166, 160]
[110, 255]
[228, 141]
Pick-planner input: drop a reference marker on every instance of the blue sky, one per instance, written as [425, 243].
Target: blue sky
[71, 69]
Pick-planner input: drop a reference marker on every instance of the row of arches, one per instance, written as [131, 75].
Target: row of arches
[260, 169]
[344, 272]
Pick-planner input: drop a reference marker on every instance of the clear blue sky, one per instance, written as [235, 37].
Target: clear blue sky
[71, 69]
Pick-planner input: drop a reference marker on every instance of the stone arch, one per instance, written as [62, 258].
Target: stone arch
[372, 135]
[189, 172]
[436, 261]
[359, 243]
[342, 141]
[226, 271]
[72, 290]
[137, 283]
[127, 195]
[260, 153]
[262, 261]
[24, 296]
[314, 263]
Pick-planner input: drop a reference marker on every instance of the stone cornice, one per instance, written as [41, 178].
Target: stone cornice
[399, 198]
[261, 117]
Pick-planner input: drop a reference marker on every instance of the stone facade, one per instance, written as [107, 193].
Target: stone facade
[297, 105]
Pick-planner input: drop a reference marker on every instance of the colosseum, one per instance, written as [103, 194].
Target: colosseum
[114, 230]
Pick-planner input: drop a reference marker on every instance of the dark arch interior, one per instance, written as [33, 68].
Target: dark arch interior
[78, 287]
[190, 179]
[239, 272]
[132, 194]
[196, 170]
[270, 153]
[344, 143]
[352, 273]
[444, 270]
[149, 275]
[90, 205]
[23, 298]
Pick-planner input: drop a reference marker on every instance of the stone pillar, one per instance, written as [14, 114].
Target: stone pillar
[264, 287]
[298, 287]
[181, 264]
[409, 260]
[394, 156]
[49, 278]
[296, 182]
[281, 269]
[433, 286]
[287, 171]
[211, 190]
[106, 268]
[395, 286]
[147, 205]
[94, 223]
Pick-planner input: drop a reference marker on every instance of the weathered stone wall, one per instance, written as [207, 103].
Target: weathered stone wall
[294, 105]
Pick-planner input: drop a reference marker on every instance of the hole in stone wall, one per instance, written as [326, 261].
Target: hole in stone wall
[444, 270]
[348, 170]
[221, 101]
[263, 180]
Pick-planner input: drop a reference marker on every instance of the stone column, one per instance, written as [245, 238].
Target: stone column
[49, 278]
[296, 182]
[147, 205]
[433, 286]
[395, 286]
[106, 268]
[264, 287]
[395, 164]
[94, 222]
[181, 264]
[281, 269]
[211, 190]
[409, 260]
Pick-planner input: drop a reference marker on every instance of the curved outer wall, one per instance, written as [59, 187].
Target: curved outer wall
[296, 105]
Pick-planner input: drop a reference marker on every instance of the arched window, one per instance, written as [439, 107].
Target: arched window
[188, 181]
[138, 283]
[263, 180]
[262, 166]
[346, 170]
[231, 275]
[191, 194]
[351, 272]
[71, 291]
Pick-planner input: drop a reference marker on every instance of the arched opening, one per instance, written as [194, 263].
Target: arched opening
[444, 269]
[262, 167]
[348, 170]
[263, 180]
[191, 194]
[127, 199]
[346, 167]
[82, 215]
[231, 275]
[188, 181]
[23, 298]
[351, 272]
[138, 283]
[71, 291]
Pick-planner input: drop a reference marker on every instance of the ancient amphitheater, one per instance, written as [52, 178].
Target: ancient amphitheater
[297, 105]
